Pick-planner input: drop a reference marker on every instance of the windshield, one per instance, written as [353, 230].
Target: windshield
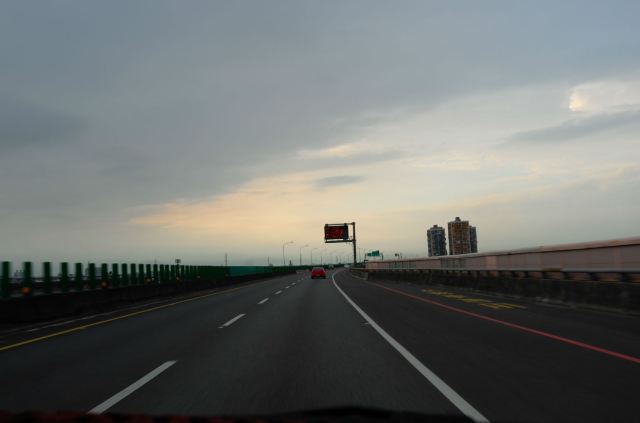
[253, 207]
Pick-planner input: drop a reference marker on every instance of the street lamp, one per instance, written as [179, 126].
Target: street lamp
[322, 256]
[284, 263]
[304, 246]
[311, 256]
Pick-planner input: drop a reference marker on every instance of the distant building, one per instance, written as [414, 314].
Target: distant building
[437, 242]
[459, 237]
[473, 239]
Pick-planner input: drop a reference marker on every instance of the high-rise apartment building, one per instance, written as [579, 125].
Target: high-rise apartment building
[436, 241]
[473, 239]
[459, 237]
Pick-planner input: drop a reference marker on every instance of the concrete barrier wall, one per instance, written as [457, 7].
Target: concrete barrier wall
[53, 306]
[618, 254]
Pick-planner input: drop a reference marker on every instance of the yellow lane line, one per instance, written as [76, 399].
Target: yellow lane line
[113, 319]
[479, 301]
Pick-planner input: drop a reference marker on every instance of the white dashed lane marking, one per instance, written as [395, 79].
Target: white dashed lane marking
[232, 321]
[101, 408]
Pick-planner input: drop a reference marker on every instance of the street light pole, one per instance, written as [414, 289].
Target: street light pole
[311, 256]
[304, 246]
[284, 263]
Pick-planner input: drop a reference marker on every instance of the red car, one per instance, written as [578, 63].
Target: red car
[318, 272]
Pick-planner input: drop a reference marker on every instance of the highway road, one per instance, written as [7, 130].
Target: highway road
[291, 343]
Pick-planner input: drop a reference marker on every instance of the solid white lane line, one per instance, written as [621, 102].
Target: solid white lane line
[278, 292]
[232, 321]
[101, 408]
[460, 403]
[264, 301]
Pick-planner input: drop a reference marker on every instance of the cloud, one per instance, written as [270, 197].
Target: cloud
[180, 104]
[580, 127]
[23, 124]
[605, 96]
[333, 181]
[338, 151]
[253, 214]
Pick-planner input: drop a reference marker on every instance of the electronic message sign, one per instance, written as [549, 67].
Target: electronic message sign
[337, 232]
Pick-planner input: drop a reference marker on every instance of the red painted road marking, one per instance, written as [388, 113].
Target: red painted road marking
[516, 326]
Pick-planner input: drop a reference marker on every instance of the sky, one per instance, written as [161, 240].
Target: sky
[155, 130]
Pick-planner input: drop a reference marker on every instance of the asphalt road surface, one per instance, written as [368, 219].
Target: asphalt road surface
[291, 343]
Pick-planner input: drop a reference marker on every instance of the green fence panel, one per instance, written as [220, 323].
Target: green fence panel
[115, 277]
[104, 275]
[258, 270]
[79, 279]
[27, 279]
[125, 274]
[47, 279]
[64, 277]
[5, 279]
[133, 277]
[92, 276]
